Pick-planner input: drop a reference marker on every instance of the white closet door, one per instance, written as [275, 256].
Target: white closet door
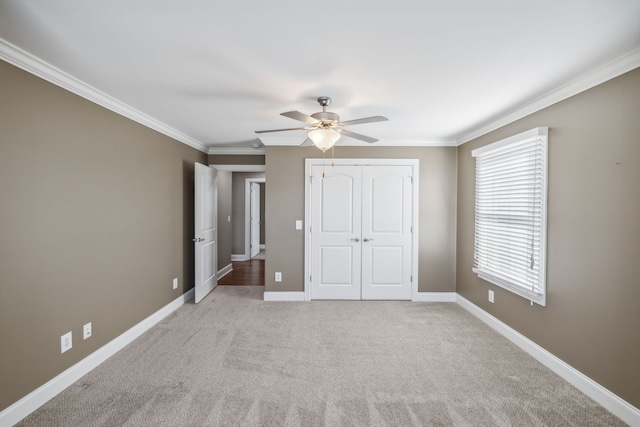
[335, 232]
[386, 232]
[361, 232]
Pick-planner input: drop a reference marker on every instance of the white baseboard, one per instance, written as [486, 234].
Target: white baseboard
[238, 257]
[25, 406]
[617, 406]
[434, 297]
[225, 270]
[284, 296]
[263, 247]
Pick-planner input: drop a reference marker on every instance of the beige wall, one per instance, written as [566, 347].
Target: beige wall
[96, 219]
[592, 319]
[437, 211]
[224, 225]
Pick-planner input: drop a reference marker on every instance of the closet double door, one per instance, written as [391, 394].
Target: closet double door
[361, 232]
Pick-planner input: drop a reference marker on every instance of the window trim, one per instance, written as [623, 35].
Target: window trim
[536, 134]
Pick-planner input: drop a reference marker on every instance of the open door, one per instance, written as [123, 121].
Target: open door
[255, 219]
[206, 230]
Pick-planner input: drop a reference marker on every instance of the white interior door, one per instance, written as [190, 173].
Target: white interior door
[386, 232]
[361, 232]
[335, 228]
[206, 230]
[255, 219]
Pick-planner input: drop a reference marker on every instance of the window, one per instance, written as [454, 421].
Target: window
[510, 213]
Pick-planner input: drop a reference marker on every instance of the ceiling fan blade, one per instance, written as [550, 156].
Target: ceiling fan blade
[307, 142]
[280, 130]
[357, 136]
[297, 115]
[365, 120]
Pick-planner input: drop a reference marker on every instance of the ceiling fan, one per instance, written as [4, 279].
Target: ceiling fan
[325, 127]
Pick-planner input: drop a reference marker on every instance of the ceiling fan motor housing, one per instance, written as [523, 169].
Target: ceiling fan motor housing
[326, 117]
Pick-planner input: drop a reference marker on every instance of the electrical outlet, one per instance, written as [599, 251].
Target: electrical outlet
[66, 342]
[175, 283]
[298, 224]
[278, 276]
[86, 331]
[490, 296]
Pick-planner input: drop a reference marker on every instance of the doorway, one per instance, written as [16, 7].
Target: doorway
[362, 237]
[237, 268]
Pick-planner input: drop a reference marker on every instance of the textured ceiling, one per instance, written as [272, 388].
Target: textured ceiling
[216, 71]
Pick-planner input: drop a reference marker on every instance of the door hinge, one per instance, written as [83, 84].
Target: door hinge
[310, 278]
[411, 177]
[411, 279]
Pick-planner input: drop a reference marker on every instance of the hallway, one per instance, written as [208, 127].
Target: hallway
[245, 273]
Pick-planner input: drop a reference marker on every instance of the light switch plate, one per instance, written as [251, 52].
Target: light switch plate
[298, 224]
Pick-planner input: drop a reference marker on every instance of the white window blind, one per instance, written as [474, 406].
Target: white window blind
[510, 213]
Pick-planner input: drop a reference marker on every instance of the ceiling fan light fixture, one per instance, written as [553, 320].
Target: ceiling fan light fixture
[321, 126]
[324, 138]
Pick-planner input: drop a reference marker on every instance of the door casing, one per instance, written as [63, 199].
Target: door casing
[414, 163]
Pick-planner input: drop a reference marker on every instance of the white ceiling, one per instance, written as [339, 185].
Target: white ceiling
[212, 72]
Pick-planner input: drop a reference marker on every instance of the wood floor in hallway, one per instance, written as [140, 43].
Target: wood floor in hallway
[245, 273]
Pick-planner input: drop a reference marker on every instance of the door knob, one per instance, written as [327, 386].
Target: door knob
[198, 240]
[367, 240]
[355, 240]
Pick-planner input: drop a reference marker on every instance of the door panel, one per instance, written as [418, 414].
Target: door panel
[336, 255]
[337, 203]
[336, 265]
[386, 207]
[386, 232]
[208, 252]
[206, 232]
[386, 265]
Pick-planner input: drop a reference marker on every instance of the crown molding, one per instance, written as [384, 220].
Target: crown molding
[242, 151]
[349, 142]
[24, 60]
[608, 71]
[31, 64]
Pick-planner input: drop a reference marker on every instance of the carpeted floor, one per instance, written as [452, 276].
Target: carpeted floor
[237, 360]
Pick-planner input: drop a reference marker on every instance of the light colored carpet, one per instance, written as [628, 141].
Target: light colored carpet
[237, 360]
[261, 255]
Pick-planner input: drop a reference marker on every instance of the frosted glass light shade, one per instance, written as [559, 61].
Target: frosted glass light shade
[324, 138]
